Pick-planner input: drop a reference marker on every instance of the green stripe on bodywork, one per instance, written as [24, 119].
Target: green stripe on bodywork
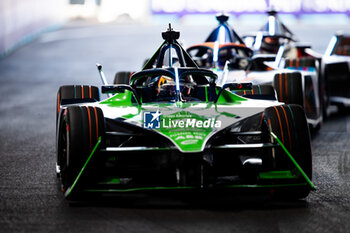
[70, 189]
[228, 97]
[277, 175]
[151, 58]
[110, 180]
[139, 189]
[294, 162]
[192, 187]
[206, 94]
[120, 99]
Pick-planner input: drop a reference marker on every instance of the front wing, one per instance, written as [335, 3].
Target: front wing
[187, 172]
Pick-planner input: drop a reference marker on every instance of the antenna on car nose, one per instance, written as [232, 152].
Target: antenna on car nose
[170, 35]
[102, 76]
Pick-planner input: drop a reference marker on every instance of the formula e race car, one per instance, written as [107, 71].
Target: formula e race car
[271, 36]
[173, 128]
[336, 71]
[295, 80]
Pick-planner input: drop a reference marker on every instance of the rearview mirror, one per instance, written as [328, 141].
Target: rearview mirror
[120, 88]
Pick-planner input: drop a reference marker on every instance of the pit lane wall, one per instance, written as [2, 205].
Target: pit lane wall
[23, 20]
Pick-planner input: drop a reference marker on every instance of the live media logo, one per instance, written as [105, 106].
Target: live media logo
[151, 120]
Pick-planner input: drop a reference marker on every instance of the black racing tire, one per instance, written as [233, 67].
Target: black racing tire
[122, 77]
[289, 124]
[300, 62]
[289, 89]
[79, 131]
[324, 103]
[259, 92]
[70, 94]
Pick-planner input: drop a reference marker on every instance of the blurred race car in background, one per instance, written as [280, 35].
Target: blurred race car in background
[336, 71]
[332, 66]
[295, 80]
[172, 128]
[271, 36]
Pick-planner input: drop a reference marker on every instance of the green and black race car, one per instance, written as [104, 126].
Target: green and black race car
[172, 128]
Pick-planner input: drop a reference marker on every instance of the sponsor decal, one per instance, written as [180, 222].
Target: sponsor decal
[155, 120]
[194, 123]
[151, 120]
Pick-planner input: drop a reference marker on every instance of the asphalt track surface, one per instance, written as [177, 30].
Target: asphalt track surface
[30, 199]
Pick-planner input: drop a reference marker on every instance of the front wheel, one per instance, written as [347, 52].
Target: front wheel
[80, 129]
[71, 94]
[288, 123]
